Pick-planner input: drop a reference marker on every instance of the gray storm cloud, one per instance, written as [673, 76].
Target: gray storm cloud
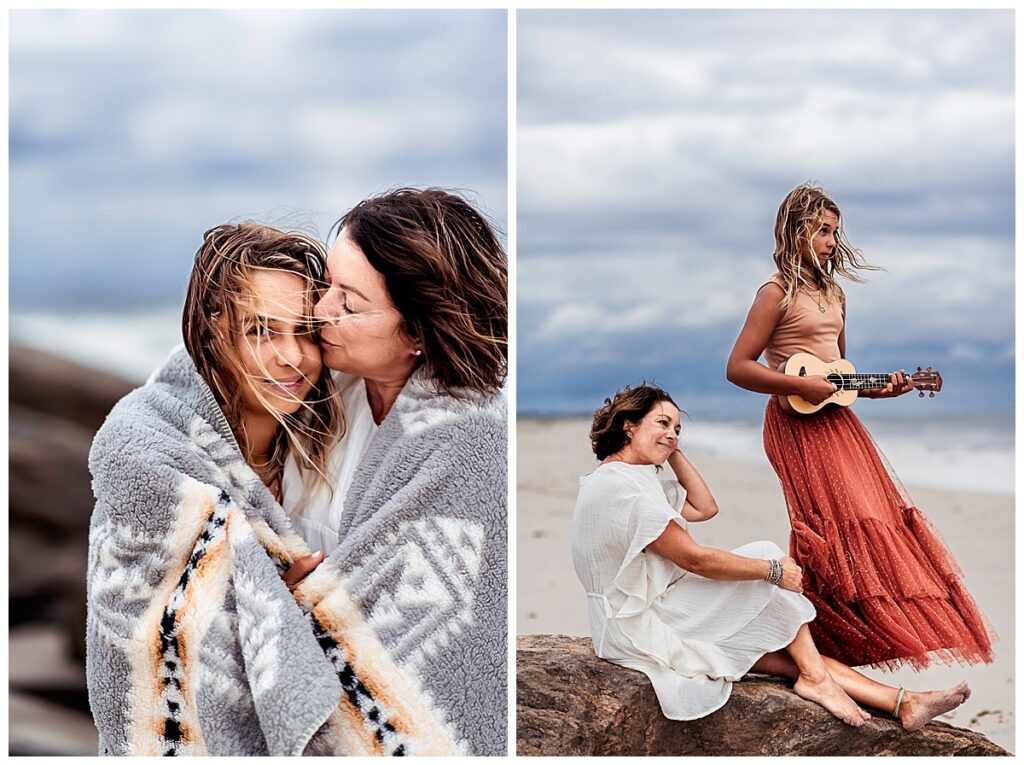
[131, 132]
[655, 147]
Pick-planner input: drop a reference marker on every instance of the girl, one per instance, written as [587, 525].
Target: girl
[886, 588]
[248, 329]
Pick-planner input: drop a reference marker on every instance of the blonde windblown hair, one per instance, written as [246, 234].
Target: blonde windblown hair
[799, 217]
[219, 310]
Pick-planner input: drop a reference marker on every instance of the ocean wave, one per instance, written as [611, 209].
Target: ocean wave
[127, 344]
[960, 453]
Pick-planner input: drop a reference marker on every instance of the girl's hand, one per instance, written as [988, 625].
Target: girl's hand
[815, 388]
[792, 575]
[302, 568]
[899, 383]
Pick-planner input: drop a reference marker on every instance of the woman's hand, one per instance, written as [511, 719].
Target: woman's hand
[700, 504]
[302, 568]
[899, 383]
[815, 388]
[792, 575]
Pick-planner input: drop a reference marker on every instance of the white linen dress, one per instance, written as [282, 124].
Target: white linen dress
[690, 635]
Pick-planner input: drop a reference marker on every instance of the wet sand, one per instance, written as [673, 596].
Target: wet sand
[978, 527]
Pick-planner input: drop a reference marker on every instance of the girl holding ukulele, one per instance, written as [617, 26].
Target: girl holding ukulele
[886, 588]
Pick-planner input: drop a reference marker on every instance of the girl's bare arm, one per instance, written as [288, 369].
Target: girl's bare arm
[743, 368]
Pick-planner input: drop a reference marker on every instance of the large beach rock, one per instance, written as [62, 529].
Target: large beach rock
[55, 408]
[45, 383]
[569, 702]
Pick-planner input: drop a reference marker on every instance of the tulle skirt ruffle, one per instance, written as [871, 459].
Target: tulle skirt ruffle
[886, 588]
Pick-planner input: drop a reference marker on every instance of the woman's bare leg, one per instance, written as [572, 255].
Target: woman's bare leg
[815, 683]
[917, 709]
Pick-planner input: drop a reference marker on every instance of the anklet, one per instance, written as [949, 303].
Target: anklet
[899, 700]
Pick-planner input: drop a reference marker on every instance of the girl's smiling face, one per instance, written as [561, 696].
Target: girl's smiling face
[823, 240]
[278, 351]
[653, 438]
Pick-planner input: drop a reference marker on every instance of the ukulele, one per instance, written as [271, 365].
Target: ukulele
[847, 380]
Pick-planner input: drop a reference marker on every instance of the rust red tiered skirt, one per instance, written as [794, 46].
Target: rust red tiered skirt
[885, 586]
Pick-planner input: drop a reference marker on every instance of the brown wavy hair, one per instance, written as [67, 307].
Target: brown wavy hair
[447, 274]
[798, 219]
[217, 311]
[631, 404]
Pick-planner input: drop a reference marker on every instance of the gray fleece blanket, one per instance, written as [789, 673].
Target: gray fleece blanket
[395, 645]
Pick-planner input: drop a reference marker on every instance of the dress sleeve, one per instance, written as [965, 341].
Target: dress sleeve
[644, 576]
[674, 493]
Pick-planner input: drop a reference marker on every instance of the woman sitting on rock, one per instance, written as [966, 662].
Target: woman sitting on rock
[695, 619]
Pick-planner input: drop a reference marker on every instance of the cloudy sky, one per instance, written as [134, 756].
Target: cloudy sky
[655, 147]
[132, 132]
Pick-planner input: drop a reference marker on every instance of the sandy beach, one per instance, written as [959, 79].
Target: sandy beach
[978, 527]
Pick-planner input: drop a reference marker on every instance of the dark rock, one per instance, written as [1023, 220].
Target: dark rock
[48, 384]
[50, 487]
[55, 409]
[570, 703]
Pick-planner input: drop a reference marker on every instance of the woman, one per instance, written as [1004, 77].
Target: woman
[692, 618]
[415, 321]
[195, 643]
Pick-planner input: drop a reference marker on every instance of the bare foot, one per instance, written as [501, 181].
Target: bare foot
[918, 709]
[823, 690]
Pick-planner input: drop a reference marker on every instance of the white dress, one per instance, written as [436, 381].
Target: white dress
[317, 517]
[690, 635]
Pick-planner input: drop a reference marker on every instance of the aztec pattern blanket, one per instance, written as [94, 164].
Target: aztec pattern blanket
[395, 645]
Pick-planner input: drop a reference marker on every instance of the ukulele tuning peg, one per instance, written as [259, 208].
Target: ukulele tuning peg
[931, 395]
[921, 394]
[929, 369]
[919, 369]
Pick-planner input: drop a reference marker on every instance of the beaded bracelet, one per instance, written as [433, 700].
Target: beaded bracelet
[774, 571]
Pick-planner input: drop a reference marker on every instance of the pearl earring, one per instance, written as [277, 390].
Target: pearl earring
[419, 352]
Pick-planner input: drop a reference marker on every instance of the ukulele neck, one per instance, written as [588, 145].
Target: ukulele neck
[859, 381]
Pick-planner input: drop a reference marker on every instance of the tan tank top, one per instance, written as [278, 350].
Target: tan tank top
[805, 328]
